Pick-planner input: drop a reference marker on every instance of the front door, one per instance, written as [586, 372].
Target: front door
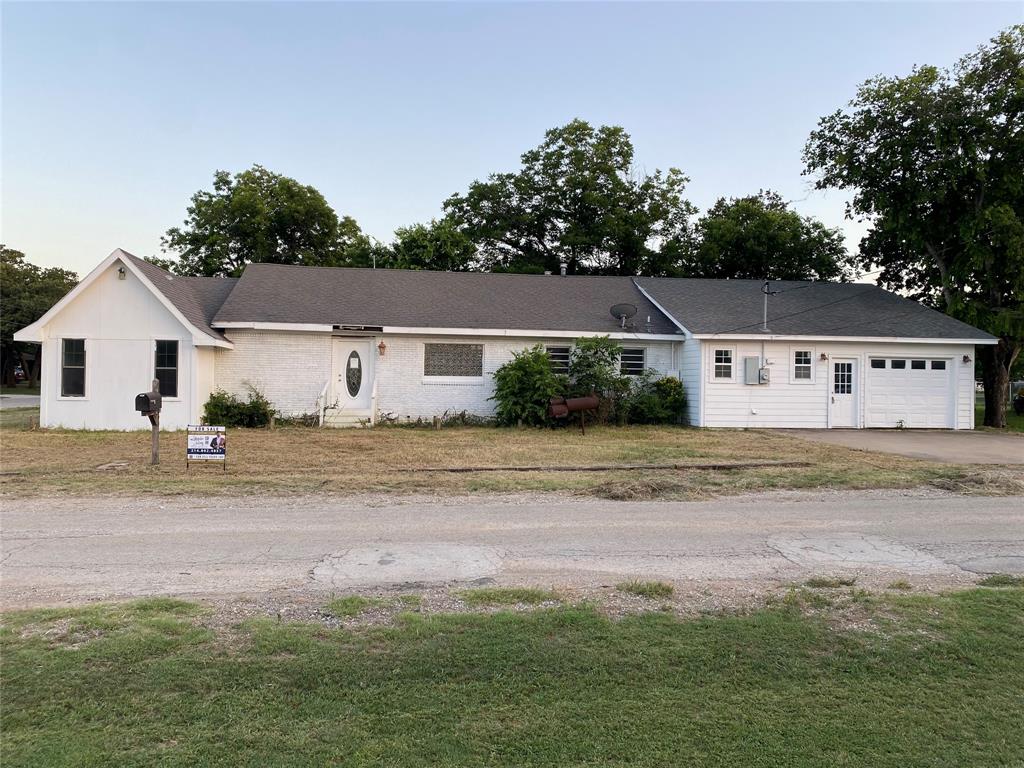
[353, 376]
[842, 406]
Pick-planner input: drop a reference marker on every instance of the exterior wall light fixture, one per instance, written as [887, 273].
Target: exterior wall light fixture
[967, 359]
[382, 348]
[121, 273]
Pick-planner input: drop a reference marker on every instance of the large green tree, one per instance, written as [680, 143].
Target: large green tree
[577, 200]
[261, 216]
[760, 236]
[26, 293]
[935, 160]
[439, 245]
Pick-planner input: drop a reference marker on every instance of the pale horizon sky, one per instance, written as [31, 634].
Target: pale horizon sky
[114, 114]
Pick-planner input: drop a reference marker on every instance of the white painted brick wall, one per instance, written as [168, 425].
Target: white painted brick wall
[403, 391]
[291, 368]
[288, 368]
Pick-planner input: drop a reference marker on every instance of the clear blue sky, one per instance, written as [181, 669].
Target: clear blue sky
[114, 114]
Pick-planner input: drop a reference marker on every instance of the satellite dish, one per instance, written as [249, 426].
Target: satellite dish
[622, 312]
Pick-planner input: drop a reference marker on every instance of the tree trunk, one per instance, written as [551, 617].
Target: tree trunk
[996, 361]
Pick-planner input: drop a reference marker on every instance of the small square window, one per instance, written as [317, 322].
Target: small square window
[898, 365]
[918, 365]
[632, 362]
[877, 363]
[559, 357]
[723, 363]
[938, 365]
[802, 365]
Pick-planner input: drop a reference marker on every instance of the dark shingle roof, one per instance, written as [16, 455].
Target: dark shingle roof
[276, 293]
[197, 298]
[801, 309]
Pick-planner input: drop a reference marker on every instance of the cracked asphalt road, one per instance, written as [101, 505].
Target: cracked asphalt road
[58, 551]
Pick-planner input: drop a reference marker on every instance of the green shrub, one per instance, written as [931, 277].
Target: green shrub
[594, 367]
[225, 410]
[523, 387]
[654, 401]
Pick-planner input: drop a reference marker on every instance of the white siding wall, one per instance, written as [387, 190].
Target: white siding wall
[791, 404]
[690, 375]
[206, 371]
[403, 391]
[289, 368]
[119, 320]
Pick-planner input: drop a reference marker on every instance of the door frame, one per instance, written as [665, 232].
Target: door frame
[855, 394]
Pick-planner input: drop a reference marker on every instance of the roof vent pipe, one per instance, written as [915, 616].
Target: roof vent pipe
[562, 268]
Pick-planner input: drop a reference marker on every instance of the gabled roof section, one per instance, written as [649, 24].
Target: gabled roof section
[394, 298]
[197, 298]
[842, 310]
[192, 300]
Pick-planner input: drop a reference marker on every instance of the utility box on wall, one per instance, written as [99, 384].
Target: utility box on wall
[754, 373]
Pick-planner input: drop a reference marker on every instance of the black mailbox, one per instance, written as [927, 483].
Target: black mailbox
[148, 402]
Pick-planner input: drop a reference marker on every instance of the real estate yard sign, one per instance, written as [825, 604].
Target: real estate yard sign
[206, 444]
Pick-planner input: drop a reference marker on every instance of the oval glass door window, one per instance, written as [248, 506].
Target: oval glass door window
[353, 374]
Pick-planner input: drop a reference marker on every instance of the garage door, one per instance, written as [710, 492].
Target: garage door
[910, 392]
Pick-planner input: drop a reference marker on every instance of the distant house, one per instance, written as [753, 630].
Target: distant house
[356, 343]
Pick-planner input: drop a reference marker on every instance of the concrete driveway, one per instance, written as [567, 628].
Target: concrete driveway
[73, 549]
[19, 401]
[953, 447]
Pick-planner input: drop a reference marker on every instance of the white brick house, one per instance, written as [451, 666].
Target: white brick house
[355, 343]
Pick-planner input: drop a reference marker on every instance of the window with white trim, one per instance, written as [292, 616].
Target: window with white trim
[633, 362]
[803, 367]
[723, 363]
[72, 368]
[559, 357]
[165, 368]
[453, 360]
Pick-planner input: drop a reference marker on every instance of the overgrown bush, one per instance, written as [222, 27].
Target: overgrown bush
[594, 367]
[524, 386]
[225, 410]
[655, 401]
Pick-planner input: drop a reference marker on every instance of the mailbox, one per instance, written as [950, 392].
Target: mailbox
[148, 402]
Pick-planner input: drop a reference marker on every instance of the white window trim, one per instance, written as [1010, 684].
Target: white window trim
[792, 365]
[60, 369]
[465, 381]
[152, 361]
[569, 347]
[642, 370]
[712, 379]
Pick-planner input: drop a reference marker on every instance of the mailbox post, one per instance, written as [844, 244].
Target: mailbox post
[149, 404]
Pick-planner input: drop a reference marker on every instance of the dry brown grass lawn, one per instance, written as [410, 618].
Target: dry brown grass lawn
[304, 460]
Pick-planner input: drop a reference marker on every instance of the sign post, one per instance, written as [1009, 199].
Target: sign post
[204, 443]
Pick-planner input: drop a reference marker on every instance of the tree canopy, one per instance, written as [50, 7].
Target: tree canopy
[439, 245]
[261, 216]
[577, 200]
[935, 161]
[26, 293]
[760, 236]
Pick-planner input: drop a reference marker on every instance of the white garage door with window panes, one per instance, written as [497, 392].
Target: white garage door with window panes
[912, 392]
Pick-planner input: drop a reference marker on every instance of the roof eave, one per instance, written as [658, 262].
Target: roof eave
[762, 336]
